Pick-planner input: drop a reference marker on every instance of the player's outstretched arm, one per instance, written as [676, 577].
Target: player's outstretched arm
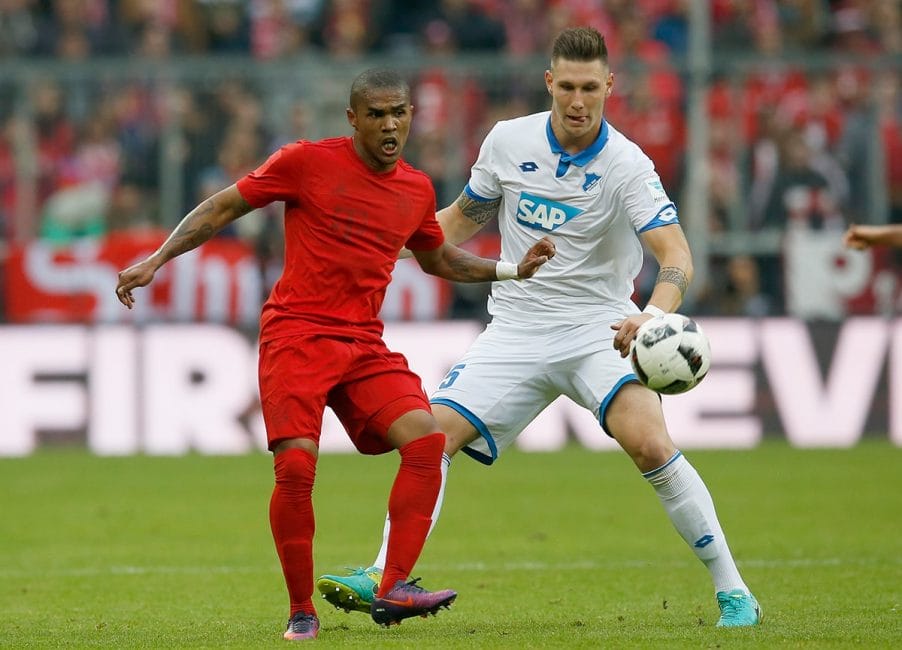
[861, 237]
[198, 226]
[463, 219]
[669, 246]
[455, 264]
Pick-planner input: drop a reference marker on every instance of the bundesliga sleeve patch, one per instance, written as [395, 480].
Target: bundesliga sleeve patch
[656, 190]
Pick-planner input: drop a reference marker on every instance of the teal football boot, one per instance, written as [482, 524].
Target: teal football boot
[353, 592]
[738, 609]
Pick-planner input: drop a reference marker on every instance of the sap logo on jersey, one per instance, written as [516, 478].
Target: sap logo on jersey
[543, 214]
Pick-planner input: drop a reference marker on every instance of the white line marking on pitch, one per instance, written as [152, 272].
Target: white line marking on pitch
[128, 570]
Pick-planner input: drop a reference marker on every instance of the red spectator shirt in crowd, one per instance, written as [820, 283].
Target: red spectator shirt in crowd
[344, 227]
[660, 131]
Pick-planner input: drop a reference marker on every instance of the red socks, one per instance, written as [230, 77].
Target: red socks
[410, 506]
[292, 522]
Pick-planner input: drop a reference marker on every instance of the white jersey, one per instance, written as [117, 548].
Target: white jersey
[592, 204]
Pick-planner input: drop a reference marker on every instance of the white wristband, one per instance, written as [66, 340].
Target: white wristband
[506, 271]
[654, 311]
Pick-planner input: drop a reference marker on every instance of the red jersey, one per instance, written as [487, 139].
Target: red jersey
[344, 227]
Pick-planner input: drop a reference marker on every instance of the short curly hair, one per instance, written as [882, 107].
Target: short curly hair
[377, 79]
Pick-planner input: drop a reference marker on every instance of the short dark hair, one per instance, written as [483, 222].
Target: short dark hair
[377, 79]
[579, 44]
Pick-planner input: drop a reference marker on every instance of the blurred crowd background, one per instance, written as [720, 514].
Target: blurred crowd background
[773, 123]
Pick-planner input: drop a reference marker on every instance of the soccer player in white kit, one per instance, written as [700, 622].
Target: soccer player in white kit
[568, 174]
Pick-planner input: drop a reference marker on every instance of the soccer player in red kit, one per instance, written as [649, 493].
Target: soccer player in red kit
[351, 205]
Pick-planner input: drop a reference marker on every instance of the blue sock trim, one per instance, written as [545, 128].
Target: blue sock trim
[672, 460]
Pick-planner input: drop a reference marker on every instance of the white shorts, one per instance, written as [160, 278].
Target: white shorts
[511, 373]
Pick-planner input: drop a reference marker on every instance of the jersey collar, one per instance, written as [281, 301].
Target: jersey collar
[581, 158]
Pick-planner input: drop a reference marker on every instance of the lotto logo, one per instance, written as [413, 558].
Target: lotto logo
[543, 214]
[667, 214]
[703, 541]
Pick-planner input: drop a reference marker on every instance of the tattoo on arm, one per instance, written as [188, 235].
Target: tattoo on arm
[674, 275]
[465, 268]
[479, 212]
[193, 231]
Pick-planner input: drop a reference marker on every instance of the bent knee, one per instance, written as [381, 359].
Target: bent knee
[307, 444]
[636, 422]
[651, 452]
[411, 426]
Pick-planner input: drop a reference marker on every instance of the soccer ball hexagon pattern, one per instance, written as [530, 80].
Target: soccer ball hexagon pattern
[670, 354]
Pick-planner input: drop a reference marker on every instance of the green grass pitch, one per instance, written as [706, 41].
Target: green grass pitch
[559, 550]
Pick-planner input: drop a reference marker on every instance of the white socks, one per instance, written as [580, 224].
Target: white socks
[691, 509]
[687, 502]
[379, 562]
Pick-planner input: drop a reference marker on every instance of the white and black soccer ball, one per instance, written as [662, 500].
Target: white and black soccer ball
[670, 354]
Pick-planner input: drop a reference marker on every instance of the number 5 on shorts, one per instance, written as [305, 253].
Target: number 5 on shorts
[452, 375]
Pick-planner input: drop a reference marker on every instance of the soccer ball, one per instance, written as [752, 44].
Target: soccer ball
[670, 354]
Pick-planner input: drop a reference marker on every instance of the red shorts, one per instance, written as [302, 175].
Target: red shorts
[367, 385]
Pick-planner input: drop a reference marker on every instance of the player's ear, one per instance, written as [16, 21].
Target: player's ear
[609, 85]
[549, 80]
[352, 117]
